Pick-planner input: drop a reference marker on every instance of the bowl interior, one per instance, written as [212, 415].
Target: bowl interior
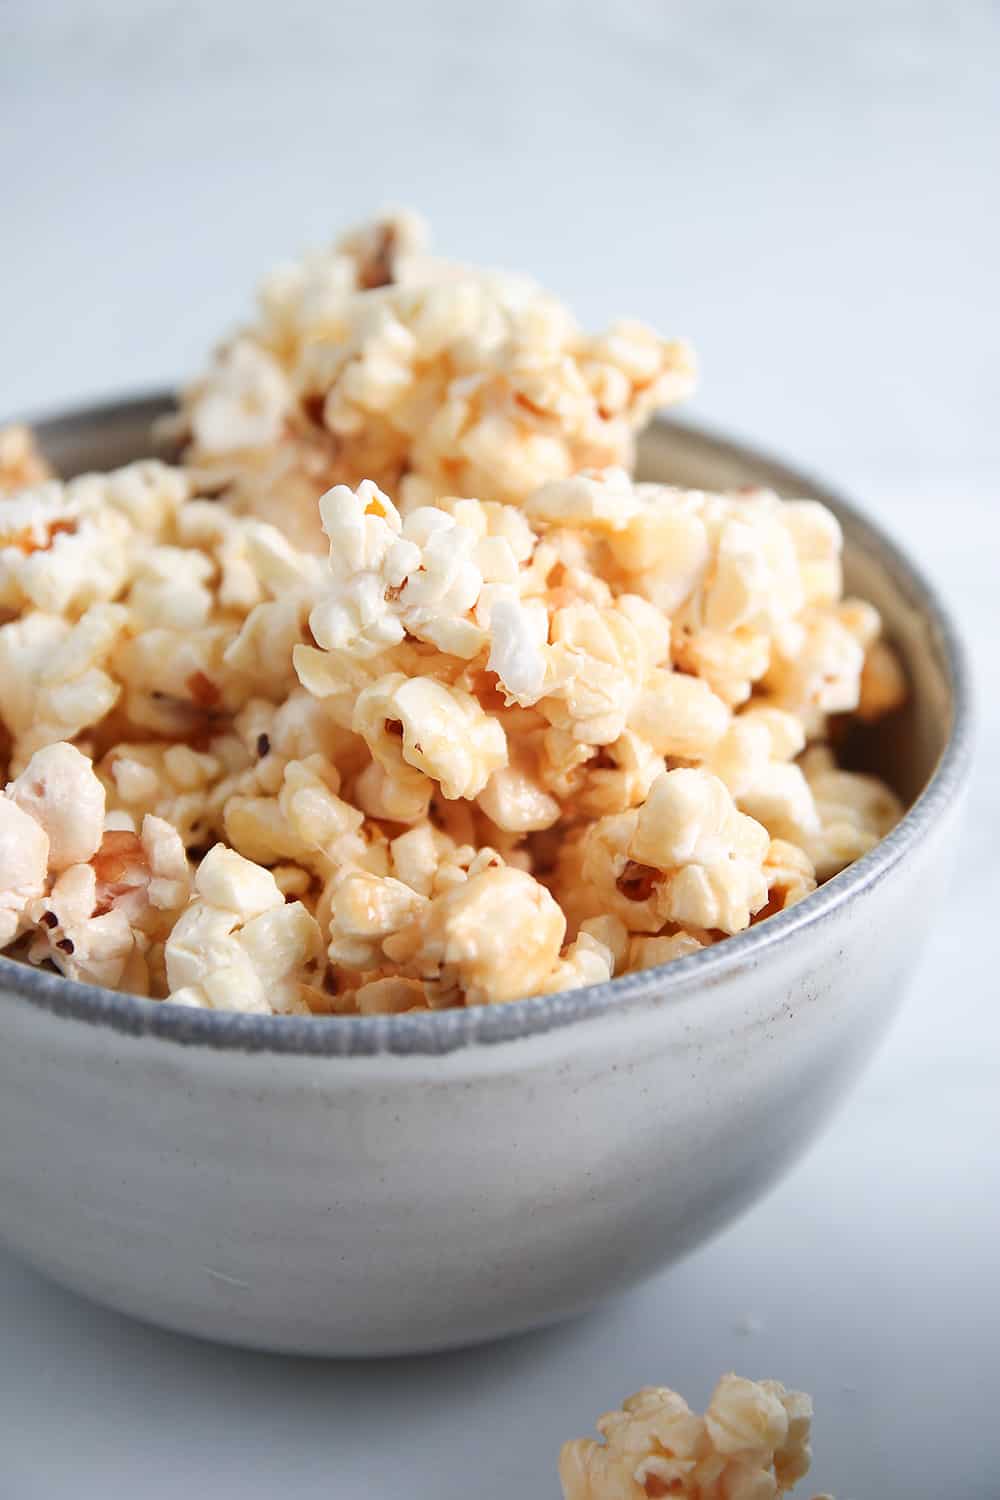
[903, 750]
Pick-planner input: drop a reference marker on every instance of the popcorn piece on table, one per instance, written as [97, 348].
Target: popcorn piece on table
[751, 1444]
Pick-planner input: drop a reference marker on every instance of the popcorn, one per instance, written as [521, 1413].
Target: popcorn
[588, 960]
[24, 857]
[854, 811]
[440, 731]
[245, 403]
[678, 715]
[239, 945]
[689, 825]
[365, 910]
[820, 674]
[495, 936]
[21, 462]
[105, 921]
[518, 804]
[86, 940]
[648, 952]
[756, 738]
[391, 578]
[790, 875]
[883, 683]
[664, 545]
[618, 776]
[60, 549]
[66, 546]
[59, 790]
[431, 702]
[602, 501]
[781, 799]
[751, 1444]
[594, 669]
[686, 856]
[96, 902]
[306, 821]
[54, 673]
[376, 362]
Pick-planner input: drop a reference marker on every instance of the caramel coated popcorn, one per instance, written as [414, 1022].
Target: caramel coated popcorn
[376, 361]
[21, 463]
[435, 705]
[751, 1444]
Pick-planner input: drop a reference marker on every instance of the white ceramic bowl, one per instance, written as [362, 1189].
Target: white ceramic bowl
[391, 1184]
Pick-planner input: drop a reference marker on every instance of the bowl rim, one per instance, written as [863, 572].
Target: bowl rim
[423, 1033]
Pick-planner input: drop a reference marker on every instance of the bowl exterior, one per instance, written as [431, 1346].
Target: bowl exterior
[389, 1204]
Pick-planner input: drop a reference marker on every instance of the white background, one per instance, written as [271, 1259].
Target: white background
[809, 190]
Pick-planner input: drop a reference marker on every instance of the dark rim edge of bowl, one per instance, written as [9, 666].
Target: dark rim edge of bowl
[435, 1032]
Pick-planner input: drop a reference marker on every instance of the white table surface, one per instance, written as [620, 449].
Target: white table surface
[806, 191]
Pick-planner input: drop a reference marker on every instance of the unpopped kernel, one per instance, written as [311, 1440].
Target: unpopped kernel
[434, 705]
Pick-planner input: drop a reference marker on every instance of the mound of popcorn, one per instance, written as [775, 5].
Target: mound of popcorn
[376, 361]
[400, 692]
[21, 463]
[751, 1444]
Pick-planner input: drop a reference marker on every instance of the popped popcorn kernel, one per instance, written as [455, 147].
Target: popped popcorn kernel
[441, 732]
[24, 858]
[751, 1444]
[239, 945]
[495, 936]
[60, 791]
[709, 853]
[854, 811]
[21, 462]
[883, 683]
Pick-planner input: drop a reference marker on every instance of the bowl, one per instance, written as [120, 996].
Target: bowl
[391, 1184]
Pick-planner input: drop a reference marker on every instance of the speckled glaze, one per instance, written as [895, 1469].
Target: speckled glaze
[391, 1184]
